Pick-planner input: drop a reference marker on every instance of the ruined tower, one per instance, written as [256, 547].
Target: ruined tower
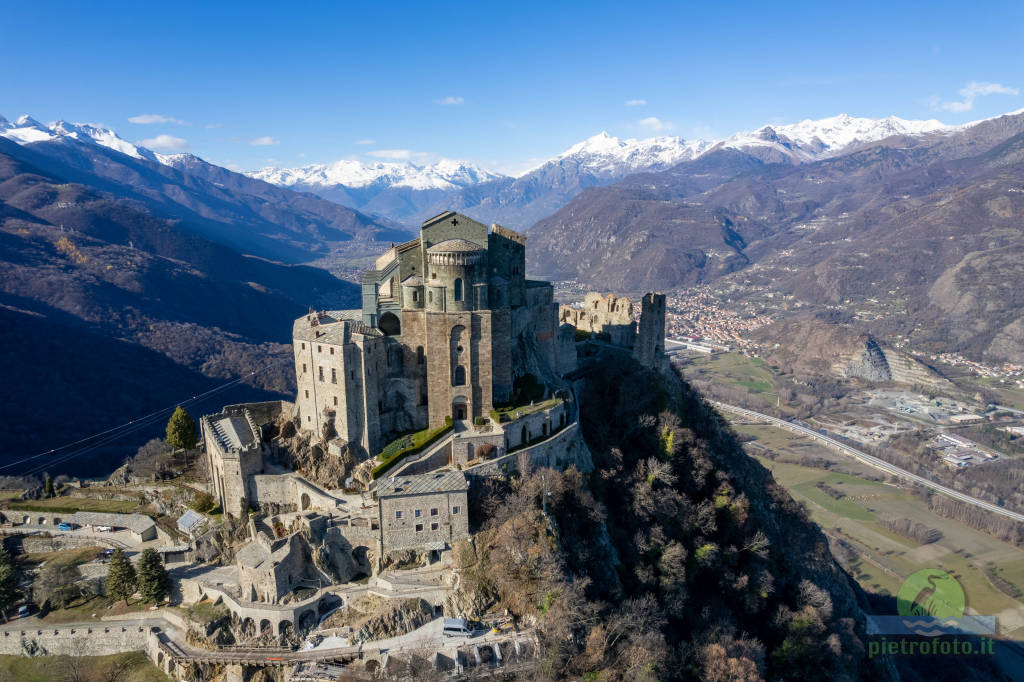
[650, 341]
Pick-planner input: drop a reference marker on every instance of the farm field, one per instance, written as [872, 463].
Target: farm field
[736, 369]
[881, 559]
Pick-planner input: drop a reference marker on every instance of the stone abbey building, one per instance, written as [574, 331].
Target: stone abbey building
[452, 345]
[448, 321]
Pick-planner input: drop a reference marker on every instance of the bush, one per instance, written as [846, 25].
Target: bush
[203, 502]
[408, 444]
[479, 421]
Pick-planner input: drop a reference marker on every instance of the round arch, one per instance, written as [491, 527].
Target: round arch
[390, 324]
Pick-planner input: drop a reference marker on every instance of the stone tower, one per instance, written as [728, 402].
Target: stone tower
[650, 341]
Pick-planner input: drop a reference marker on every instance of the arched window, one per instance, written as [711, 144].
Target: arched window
[458, 288]
[460, 376]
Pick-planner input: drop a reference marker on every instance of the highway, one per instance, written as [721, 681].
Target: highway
[868, 459]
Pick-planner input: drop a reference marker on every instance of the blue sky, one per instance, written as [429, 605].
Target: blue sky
[251, 84]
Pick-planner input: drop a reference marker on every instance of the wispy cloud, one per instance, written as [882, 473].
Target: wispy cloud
[636, 102]
[449, 101]
[366, 141]
[404, 154]
[165, 143]
[265, 141]
[969, 93]
[150, 119]
[654, 124]
[211, 126]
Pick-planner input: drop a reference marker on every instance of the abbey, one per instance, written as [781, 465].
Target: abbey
[448, 322]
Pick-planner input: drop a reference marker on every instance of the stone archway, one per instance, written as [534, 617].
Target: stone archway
[304, 502]
[248, 628]
[307, 620]
[459, 408]
[390, 324]
[266, 627]
[284, 628]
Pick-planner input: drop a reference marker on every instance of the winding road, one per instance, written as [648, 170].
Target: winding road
[870, 460]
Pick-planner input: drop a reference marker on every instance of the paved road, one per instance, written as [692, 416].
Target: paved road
[869, 459]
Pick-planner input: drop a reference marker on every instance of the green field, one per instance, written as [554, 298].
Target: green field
[736, 369]
[883, 559]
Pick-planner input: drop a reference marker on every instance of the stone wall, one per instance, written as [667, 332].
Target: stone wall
[536, 425]
[451, 520]
[650, 340]
[95, 640]
[561, 451]
[609, 314]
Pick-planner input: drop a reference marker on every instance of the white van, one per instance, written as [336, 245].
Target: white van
[456, 627]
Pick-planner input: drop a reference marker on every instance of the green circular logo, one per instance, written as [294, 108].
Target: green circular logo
[931, 592]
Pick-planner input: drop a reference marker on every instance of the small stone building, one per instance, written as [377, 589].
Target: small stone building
[268, 569]
[142, 527]
[234, 454]
[425, 513]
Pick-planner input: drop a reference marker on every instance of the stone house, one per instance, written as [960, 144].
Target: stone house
[425, 513]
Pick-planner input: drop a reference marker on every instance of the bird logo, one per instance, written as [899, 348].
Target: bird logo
[931, 592]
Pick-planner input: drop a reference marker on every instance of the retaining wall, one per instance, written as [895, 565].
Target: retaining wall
[95, 640]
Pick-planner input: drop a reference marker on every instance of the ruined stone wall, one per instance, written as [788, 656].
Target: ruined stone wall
[611, 315]
[414, 531]
[650, 342]
[565, 349]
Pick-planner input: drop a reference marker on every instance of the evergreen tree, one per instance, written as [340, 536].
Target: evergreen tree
[8, 582]
[154, 582]
[181, 430]
[121, 579]
[48, 486]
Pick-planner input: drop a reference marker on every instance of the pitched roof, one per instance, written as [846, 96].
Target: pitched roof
[444, 481]
[190, 520]
[137, 523]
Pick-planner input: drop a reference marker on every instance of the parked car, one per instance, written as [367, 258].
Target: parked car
[104, 529]
[65, 527]
[24, 611]
[456, 627]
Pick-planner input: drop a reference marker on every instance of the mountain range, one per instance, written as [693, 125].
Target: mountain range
[924, 228]
[130, 281]
[407, 193]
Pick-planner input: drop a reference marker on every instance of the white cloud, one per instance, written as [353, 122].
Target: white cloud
[165, 143]
[149, 119]
[636, 102]
[971, 92]
[211, 126]
[654, 124]
[404, 154]
[265, 141]
[366, 141]
[448, 101]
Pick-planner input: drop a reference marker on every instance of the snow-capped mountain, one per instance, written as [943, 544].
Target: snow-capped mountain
[443, 175]
[811, 140]
[608, 155]
[27, 130]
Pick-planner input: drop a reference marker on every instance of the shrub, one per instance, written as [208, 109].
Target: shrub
[408, 444]
[479, 421]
